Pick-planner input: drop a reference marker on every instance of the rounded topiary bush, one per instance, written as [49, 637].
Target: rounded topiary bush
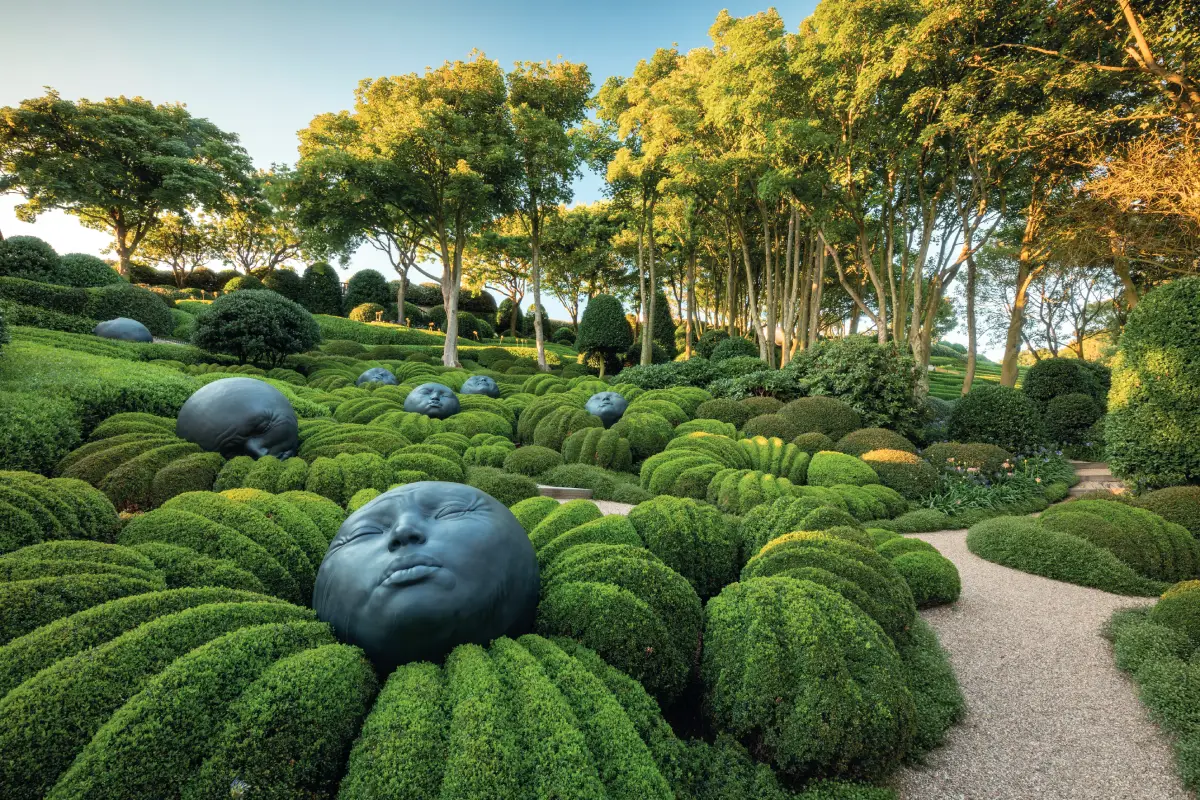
[826, 415]
[1178, 504]
[1179, 609]
[987, 458]
[910, 475]
[998, 415]
[694, 539]
[1154, 406]
[830, 468]
[861, 441]
[932, 577]
[84, 270]
[368, 286]
[724, 410]
[1053, 377]
[1070, 417]
[709, 340]
[321, 290]
[600, 448]
[243, 283]
[256, 326]
[506, 487]
[285, 282]
[814, 442]
[603, 330]
[806, 675]
[732, 347]
[648, 433]
[134, 302]
[30, 258]
[365, 312]
[758, 406]
[532, 460]
[771, 425]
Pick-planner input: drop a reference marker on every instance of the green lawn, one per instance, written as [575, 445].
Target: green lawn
[946, 379]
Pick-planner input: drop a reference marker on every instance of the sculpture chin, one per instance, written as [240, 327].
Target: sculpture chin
[240, 417]
[608, 406]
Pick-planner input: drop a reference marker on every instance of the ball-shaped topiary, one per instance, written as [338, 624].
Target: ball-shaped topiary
[506, 487]
[1179, 609]
[829, 468]
[776, 425]
[285, 282]
[123, 300]
[1154, 406]
[866, 439]
[244, 283]
[725, 410]
[366, 312]
[256, 326]
[998, 415]
[563, 335]
[603, 330]
[820, 414]
[648, 433]
[368, 286]
[768, 642]
[1053, 377]
[84, 270]
[814, 442]
[987, 458]
[321, 290]
[30, 258]
[600, 448]
[731, 347]
[694, 539]
[1069, 417]
[709, 340]
[532, 460]
[761, 405]
[910, 475]
[1178, 504]
[932, 577]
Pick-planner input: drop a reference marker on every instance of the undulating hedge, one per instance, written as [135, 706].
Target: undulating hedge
[694, 539]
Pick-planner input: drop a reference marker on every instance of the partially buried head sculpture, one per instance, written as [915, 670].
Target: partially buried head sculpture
[377, 375]
[424, 568]
[432, 400]
[480, 384]
[129, 330]
[608, 406]
[240, 417]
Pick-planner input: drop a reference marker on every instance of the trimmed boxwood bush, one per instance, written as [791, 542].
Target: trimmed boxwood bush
[506, 487]
[560, 423]
[931, 576]
[365, 312]
[724, 410]
[768, 641]
[604, 331]
[1178, 504]
[368, 286]
[599, 448]
[62, 707]
[732, 347]
[998, 415]
[28, 604]
[31, 258]
[1049, 378]
[1179, 610]
[776, 425]
[532, 460]
[987, 458]
[533, 510]
[830, 468]
[84, 270]
[183, 567]
[826, 415]
[866, 439]
[758, 406]
[1070, 417]
[694, 539]
[813, 442]
[243, 283]
[134, 302]
[913, 477]
[647, 433]
[1154, 406]
[321, 290]
[285, 282]
[715, 427]
[256, 327]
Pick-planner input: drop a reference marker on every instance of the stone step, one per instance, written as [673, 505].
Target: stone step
[1093, 472]
[564, 492]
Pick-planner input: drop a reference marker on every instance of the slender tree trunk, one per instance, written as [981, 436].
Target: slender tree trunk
[730, 280]
[972, 337]
[539, 335]
[641, 332]
[652, 294]
[691, 304]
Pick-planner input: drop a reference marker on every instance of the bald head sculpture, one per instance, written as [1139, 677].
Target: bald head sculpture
[240, 417]
[424, 568]
[432, 400]
[377, 375]
[480, 384]
[608, 406]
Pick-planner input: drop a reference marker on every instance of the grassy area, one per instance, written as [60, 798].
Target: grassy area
[947, 377]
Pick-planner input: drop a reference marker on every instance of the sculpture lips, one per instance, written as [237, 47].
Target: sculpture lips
[408, 570]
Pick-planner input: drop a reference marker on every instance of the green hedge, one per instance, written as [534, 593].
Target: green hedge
[28, 604]
[506, 487]
[768, 641]
[1148, 544]
[829, 468]
[134, 302]
[694, 539]
[1179, 610]
[373, 333]
[932, 577]
[1178, 504]
[600, 448]
[998, 415]
[826, 415]
[183, 567]
[866, 439]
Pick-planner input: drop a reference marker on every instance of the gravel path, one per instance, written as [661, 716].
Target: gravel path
[1048, 713]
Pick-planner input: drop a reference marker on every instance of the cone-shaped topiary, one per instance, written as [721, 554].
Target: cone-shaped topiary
[603, 329]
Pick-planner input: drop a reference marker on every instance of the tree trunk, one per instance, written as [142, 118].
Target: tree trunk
[652, 294]
[691, 304]
[1027, 270]
[401, 291]
[972, 339]
[539, 335]
[730, 281]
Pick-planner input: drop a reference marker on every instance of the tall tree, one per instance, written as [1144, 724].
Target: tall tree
[260, 232]
[182, 244]
[546, 99]
[118, 165]
[499, 259]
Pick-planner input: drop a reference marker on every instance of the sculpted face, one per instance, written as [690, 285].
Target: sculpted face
[377, 375]
[480, 384]
[432, 400]
[608, 406]
[129, 330]
[240, 417]
[424, 568]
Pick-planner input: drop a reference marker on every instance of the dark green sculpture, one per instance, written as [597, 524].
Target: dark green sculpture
[480, 384]
[240, 417]
[129, 330]
[432, 400]
[424, 568]
[608, 406]
[377, 375]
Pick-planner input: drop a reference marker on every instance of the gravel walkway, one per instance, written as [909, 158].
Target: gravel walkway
[1048, 713]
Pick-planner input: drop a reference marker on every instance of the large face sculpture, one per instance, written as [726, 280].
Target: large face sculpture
[130, 330]
[432, 400]
[608, 406]
[480, 384]
[424, 568]
[377, 375]
[240, 417]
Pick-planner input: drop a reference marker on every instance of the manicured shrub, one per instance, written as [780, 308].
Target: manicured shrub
[813, 442]
[829, 468]
[30, 258]
[647, 433]
[256, 327]
[1179, 610]
[913, 477]
[987, 458]
[775, 456]
[894, 503]
[64, 706]
[84, 271]
[709, 340]
[771, 425]
[1070, 417]
[1154, 406]
[724, 410]
[715, 427]
[368, 286]
[692, 538]
[599, 448]
[533, 510]
[560, 423]
[1049, 378]
[767, 640]
[243, 283]
[603, 330]
[365, 312]
[825, 415]
[768, 521]
[731, 347]
[183, 567]
[931, 576]
[28, 604]
[1023, 544]
[921, 520]
[1145, 542]
[866, 439]
[321, 290]
[998, 415]
[761, 405]
[506, 487]
[532, 460]
[1178, 504]
[285, 282]
[122, 300]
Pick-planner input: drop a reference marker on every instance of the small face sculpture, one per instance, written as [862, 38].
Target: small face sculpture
[424, 568]
[377, 375]
[432, 400]
[481, 384]
[240, 417]
[608, 406]
[129, 330]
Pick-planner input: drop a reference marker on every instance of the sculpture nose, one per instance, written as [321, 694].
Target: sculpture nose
[404, 534]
